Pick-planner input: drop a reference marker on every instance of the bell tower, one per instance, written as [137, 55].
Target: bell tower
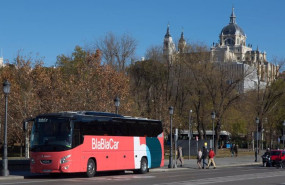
[168, 44]
[182, 43]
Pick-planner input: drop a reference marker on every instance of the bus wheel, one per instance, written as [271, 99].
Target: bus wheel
[143, 169]
[91, 168]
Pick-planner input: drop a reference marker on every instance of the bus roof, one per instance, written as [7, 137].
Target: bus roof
[92, 114]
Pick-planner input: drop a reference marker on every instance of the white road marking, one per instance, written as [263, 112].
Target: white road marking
[227, 178]
[29, 182]
[110, 178]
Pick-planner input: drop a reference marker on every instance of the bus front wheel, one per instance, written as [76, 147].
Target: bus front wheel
[91, 168]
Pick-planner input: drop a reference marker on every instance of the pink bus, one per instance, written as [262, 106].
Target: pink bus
[89, 142]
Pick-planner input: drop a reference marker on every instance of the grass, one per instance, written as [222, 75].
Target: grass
[225, 152]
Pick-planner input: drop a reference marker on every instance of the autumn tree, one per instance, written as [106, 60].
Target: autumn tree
[79, 82]
[90, 85]
[23, 102]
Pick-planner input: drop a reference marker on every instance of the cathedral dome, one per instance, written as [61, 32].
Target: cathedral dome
[232, 28]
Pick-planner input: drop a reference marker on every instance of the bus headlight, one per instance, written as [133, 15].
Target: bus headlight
[64, 159]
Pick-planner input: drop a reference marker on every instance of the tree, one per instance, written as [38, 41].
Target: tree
[96, 84]
[79, 82]
[117, 50]
[265, 99]
[148, 80]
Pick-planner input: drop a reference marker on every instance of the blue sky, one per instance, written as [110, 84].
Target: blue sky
[48, 28]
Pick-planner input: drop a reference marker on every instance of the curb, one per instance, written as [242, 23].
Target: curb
[11, 177]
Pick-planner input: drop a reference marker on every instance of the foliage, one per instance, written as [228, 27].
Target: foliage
[79, 82]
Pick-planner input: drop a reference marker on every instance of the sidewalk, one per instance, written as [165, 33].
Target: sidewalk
[220, 163]
[188, 164]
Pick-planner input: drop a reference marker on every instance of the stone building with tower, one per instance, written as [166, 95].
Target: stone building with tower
[234, 53]
[1, 62]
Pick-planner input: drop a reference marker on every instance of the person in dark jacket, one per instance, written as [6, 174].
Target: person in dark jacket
[236, 150]
[204, 156]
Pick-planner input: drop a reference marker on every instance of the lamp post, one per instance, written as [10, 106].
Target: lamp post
[5, 171]
[117, 104]
[283, 133]
[189, 134]
[170, 155]
[213, 115]
[256, 149]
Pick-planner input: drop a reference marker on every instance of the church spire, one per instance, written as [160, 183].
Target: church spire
[167, 32]
[182, 43]
[182, 36]
[168, 45]
[233, 17]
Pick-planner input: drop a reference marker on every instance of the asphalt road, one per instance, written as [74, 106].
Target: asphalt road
[250, 175]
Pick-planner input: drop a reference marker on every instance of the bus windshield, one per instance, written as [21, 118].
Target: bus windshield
[51, 134]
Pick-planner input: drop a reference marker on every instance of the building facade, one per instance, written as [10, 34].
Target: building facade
[232, 47]
[233, 53]
[1, 62]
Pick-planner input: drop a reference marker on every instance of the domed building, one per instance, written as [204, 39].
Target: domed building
[232, 48]
[232, 53]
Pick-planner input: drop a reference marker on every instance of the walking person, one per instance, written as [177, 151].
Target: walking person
[232, 149]
[180, 156]
[204, 156]
[236, 150]
[211, 158]
[199, 158]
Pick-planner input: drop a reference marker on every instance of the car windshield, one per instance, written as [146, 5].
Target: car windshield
[275, 152]
[51, 134]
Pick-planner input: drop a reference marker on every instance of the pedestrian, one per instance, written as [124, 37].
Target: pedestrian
[204, 156]
[199, 158]
[232, 149]
[180, 156]
[211, 158]
[236, 150]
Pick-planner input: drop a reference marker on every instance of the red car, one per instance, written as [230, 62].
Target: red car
[277, 155]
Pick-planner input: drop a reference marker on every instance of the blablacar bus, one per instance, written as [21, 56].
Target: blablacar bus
[89, 142]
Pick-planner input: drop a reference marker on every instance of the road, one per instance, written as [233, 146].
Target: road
[232, 175]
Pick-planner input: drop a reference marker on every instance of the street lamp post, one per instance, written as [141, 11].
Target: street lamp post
[117, 104]
[170, 152]
[283, 133]
[5, 171]
[213, 114]
[256, 149]
[189, 135]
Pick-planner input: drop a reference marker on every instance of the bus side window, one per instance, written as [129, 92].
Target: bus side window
[117, 129]
[134, 129]
[143, 129]
[76, 138]
[77, 134]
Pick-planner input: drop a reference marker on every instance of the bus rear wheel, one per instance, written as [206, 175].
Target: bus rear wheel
[144, 167]
[91, 168]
